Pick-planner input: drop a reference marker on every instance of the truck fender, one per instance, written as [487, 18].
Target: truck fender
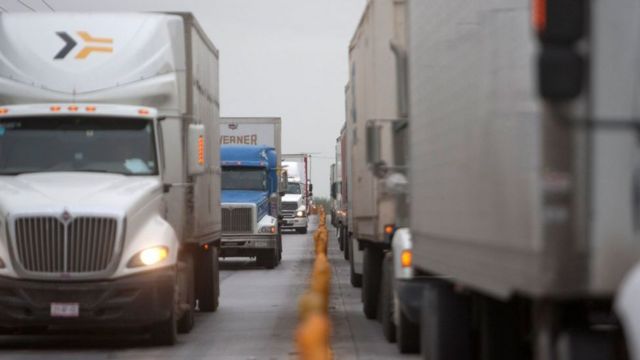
[627, 307]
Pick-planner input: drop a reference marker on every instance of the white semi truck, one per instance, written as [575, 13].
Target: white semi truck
[109, 170]
[298, 196]
[523, 179]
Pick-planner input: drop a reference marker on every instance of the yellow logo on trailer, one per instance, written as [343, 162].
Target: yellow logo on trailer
[91, 45]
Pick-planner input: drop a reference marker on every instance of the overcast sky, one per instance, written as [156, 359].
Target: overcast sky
[286, 58]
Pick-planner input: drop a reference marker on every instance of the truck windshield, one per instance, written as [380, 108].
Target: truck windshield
[293, 188]
[77, 143]
[244, 179]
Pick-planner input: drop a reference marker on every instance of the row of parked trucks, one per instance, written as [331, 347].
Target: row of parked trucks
[120, 185]
[486, 181]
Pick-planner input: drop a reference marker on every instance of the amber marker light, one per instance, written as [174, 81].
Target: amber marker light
[90, 108]
[4, 111]
[406, 258]
[73, 108]
[55, 108]
[143, 112]
[388, 229]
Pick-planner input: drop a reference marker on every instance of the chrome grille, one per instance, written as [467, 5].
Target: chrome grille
[91, 243]
[237, 220]
[47, 245]
[289, 206]
[40, 242]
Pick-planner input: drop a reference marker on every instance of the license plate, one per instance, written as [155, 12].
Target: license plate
[66, 310]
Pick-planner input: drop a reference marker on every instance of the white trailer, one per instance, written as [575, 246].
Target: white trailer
[109, 153]
[372, 98]
[524, 177]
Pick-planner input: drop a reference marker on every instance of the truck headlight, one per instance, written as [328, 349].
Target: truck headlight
[148, 257]
[300, 213]
[269, 229]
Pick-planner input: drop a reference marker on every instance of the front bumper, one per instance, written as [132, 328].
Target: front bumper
[410, 296]
[134, 301]
[246, 245]
[295, 223]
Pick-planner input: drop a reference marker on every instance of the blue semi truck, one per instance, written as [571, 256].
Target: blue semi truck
[250, 203]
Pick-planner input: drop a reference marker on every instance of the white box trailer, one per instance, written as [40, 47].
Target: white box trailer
[524, 175]
[110, 146]
[372, 97]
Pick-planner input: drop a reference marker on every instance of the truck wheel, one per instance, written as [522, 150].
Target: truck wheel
[585, 345]
[371, 274]
[340, 238]
[347, 243]
[386, 300]
[355, 278]
[301, 230]
[407, 335]
[165, 333]
[445, 323]
[186, 321]
[268, 260]
[207, 278]
[279, 248]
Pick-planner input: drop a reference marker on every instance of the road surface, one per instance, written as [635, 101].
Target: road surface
[256, 320]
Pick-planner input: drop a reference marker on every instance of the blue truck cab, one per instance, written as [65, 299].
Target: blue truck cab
[251, 203]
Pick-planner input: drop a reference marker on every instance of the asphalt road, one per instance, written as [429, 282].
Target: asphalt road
[256, 320]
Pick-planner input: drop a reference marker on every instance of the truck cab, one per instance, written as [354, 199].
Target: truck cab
[250, 197]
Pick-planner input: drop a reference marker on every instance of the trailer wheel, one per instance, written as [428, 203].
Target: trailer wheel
[207, 278]
[340, 238]
[386, 300]
[345, 239]
[445, 324]
[371, 274]
[407, 335]
[355, 278]
[186, 321]
[585, 345]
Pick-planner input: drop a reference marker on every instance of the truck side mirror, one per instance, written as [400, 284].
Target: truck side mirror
[310, 187]
[282, 193]
[197, 149]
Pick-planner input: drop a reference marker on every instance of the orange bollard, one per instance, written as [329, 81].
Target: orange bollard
[312, 338]
[321, 280]
[309, 303]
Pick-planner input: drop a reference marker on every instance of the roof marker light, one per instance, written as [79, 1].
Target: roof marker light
[90, 108]
[4, 111]
[73, 108]
[55, 108]
[143, 111]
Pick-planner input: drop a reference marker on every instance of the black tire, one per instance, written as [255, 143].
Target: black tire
[371, 276]
[301, 230]
[407, 335]
[445, 324]
[585, 345]
[354, 278]
[165, 333]
[346, 241]
[186, 321]
[279, 248]
[387, 307]
[268, 259]
[207, 278]
[340, 238]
